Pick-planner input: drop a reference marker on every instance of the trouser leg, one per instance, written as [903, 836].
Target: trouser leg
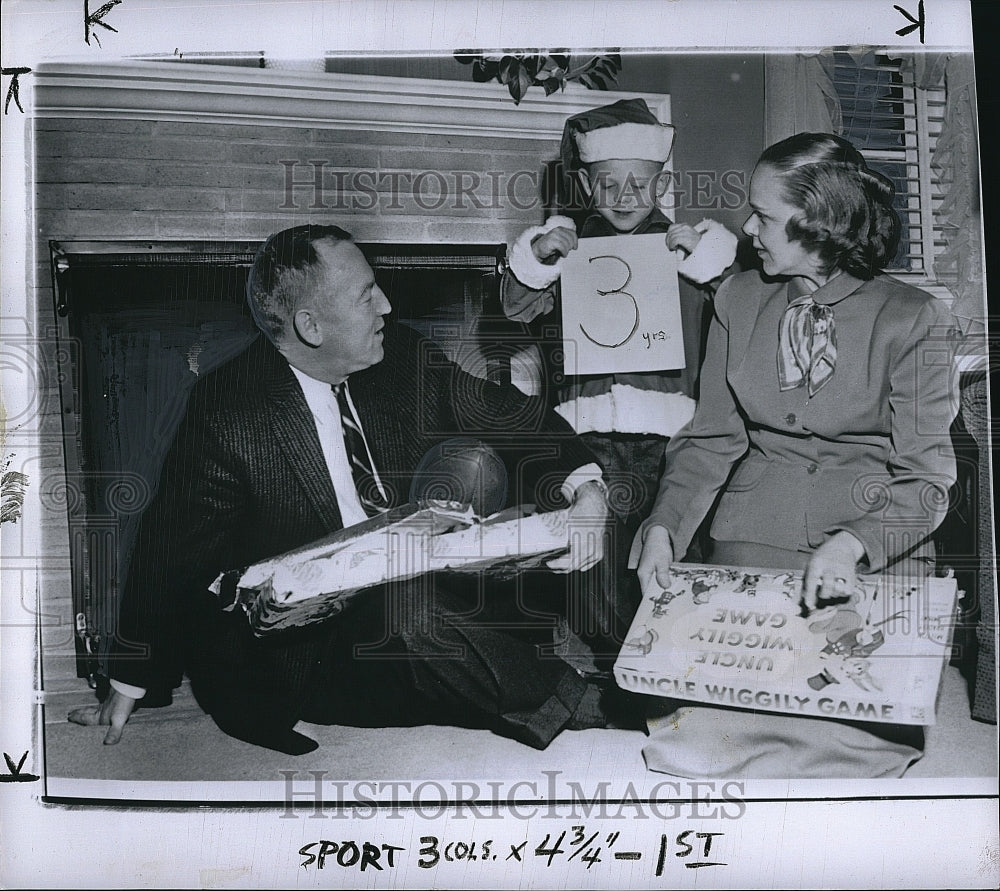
[420, 653]
[609, 594]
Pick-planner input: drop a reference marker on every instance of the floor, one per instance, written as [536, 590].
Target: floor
[181, 745]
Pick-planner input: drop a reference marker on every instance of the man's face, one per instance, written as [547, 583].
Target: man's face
[348, 307]
[624, 191]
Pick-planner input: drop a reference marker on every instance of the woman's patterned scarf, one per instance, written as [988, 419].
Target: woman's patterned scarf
[807, 345]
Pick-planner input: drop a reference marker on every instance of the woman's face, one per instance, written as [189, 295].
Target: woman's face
[770, 212]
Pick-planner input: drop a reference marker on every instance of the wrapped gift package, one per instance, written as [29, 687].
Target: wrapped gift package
[739, 637]
[312, 583]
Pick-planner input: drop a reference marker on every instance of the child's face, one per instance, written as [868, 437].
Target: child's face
[624, 191]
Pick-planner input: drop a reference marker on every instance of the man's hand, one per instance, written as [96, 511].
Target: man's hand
[651, 558]
[681, 235]
[115, 710]
[588, 517]
[555, 243]
[832, 569]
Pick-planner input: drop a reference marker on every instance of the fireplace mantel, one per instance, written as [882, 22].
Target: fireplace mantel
[266, 97]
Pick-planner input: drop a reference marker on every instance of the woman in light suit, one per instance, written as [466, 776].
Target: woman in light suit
[827, 394]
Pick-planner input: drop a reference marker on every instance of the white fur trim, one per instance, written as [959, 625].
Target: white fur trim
[645, 142]
[628, 409]
[589, 473]
[712, 256]
[522, 261]
[589, 414]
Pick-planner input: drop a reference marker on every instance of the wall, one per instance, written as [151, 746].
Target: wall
[717, 104]
[160, 179]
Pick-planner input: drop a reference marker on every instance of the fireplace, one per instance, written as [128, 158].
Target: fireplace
[138, 324]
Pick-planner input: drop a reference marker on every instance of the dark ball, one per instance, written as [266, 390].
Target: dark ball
[464, 470]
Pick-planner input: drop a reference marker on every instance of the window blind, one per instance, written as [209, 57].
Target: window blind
[896, 127]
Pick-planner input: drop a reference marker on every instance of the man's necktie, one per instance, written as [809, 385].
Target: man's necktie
[369, 494]
[807, 346]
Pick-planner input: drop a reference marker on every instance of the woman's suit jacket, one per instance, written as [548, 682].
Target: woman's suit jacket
[246, 479]
[869, 453]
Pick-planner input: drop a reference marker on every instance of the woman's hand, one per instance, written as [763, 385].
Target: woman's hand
[832, 569]
[681, 235]
[651, 556]
[555, 243]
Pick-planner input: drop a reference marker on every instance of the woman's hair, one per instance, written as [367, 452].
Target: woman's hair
[846, 217]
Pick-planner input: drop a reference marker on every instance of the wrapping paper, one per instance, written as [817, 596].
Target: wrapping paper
[318, 581]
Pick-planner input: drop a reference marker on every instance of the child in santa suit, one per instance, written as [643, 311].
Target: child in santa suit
[617, 155]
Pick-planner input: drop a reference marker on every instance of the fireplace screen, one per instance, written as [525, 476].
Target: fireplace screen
[142, 322]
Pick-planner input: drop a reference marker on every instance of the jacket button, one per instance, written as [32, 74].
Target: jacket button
[812, 468]
[790, 418]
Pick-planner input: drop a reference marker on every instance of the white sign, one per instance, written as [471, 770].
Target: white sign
[621, 306]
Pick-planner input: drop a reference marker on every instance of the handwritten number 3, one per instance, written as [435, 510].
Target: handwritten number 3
[619, 290]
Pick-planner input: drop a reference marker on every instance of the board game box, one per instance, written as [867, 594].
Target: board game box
[738, 637]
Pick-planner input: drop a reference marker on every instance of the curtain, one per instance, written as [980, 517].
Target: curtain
[956, 164]
[799, 96]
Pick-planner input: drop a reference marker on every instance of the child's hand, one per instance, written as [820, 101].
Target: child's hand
[555, 243]
[681, 235]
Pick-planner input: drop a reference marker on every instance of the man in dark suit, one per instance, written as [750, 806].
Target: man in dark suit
[316, 426]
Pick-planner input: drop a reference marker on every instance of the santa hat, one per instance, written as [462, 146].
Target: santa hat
[625, 129]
